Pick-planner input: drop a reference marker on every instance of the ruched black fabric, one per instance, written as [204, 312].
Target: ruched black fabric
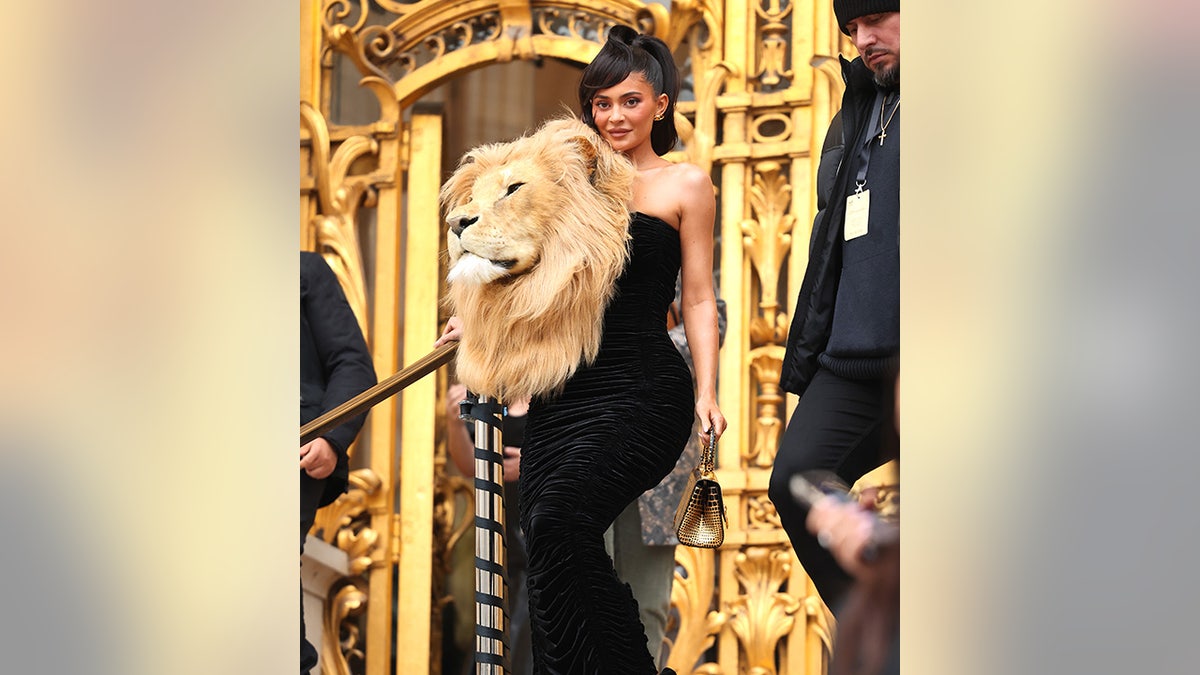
[614, 432]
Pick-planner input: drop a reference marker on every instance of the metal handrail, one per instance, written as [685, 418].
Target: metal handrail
[366, 400]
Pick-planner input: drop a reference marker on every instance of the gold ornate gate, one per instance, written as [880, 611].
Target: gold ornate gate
[761, 88]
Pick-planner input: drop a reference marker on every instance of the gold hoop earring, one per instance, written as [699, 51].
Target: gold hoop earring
[658, 117]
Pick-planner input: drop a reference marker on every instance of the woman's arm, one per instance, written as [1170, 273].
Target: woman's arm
[697, 298]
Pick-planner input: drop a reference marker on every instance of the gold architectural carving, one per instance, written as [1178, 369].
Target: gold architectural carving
[344, 523]
[343, 639]
[772, 54]
[761, 513]
[821, 627]
[691, 599]
[701, 137]
[768, 403]
[767, 238]
[763, 614]
[773, 127]
[430, 39]
[698, 20]
[339, 196]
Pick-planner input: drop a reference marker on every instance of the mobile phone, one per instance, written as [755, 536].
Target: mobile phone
[811, 487]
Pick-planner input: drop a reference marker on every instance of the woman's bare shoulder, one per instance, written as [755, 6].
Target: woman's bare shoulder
[689, 174]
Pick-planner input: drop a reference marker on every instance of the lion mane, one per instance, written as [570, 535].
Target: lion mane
[538, 235]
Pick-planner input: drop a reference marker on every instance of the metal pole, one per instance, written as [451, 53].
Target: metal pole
[491, 582]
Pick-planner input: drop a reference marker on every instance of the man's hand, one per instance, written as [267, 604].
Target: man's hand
[845, 528]
[318, 459]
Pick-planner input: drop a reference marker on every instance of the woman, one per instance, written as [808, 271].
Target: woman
[620, 423]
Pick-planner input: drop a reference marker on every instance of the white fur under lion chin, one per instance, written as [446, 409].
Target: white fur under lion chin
[471, 269]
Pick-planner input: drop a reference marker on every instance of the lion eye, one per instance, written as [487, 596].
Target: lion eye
[513, 188]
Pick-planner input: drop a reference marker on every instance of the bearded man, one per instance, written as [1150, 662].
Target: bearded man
[843, 348]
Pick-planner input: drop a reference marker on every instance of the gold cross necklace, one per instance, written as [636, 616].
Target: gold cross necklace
[883, 125]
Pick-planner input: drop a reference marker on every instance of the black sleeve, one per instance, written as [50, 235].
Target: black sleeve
[346, 362]
[831, 157]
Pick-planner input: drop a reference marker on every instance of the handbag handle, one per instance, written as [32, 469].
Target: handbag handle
[708, 455]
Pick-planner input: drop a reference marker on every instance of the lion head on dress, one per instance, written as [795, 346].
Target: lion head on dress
[538, 235]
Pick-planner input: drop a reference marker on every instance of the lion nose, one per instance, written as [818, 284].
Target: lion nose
[457, 225]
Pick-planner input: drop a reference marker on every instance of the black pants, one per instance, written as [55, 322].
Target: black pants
[840, 425]
[310, 498]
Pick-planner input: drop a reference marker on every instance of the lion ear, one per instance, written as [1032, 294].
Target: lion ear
[608, 170]
[587, 149]
[457, 188]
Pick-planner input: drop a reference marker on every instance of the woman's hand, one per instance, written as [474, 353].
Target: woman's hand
[711, 419]
[452, 332]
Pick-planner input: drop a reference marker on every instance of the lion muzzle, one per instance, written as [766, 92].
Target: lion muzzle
[460, 223]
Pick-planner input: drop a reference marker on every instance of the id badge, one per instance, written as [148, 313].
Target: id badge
[858, 207]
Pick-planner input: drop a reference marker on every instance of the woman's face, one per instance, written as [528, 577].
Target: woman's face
[624, 113]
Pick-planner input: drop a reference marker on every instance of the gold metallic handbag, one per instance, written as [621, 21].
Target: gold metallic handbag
[700, 518]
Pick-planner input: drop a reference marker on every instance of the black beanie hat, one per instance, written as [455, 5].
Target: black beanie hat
[849, 10]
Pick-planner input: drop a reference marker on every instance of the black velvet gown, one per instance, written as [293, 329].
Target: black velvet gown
[616, 430]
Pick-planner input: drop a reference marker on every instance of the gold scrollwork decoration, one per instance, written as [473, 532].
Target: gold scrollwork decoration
[402, 8]
[422, 34]
[700, 138]
[691, 599]
[763, 614]
[349, 41]
[516, 41]
[772, 45]
[342, 636]
[378, 44]
[761, 513]
[695, 18]
[339, 196]
[766, 364]
[334, 13]
[767, 238]
[345, 522]
[573, 24]
[419, 50]
[821, 622]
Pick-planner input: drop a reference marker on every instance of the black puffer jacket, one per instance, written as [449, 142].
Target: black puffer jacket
[813, 320]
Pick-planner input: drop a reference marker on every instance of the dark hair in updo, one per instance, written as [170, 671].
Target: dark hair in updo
[625, 52]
